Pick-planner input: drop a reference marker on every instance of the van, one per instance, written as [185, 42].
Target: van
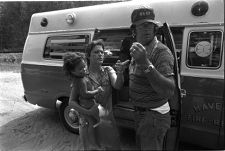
[192, 29]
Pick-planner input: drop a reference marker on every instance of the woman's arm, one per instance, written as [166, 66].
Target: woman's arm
[116, 79]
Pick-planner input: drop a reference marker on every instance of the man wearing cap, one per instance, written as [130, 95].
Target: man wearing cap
[151, 81]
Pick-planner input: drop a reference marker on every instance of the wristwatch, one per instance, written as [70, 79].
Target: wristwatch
[149, 68]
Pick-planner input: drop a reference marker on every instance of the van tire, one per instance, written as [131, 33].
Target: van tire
[65, 113]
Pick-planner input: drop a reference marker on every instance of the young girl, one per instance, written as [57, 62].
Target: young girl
[75, 67]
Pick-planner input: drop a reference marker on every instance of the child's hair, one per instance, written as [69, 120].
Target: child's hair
[71, 60]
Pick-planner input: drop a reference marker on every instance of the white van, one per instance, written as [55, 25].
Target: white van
[197, 28]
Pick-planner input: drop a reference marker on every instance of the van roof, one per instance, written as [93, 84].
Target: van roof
[117, 15]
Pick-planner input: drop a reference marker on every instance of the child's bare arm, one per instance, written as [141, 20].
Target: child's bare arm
[74, 99]
[88, 94]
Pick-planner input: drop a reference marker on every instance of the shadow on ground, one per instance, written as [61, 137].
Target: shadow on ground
[37, 130]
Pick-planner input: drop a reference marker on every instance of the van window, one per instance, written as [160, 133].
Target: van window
[178, 39]
[204, 49]
[113, 41]
[57, 46]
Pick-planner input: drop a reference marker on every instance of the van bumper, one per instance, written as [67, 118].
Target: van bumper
[35, 98]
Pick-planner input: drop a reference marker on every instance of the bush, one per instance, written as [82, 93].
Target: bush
[11, 58]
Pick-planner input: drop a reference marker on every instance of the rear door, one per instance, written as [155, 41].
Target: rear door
[172, 138]
[202, 83]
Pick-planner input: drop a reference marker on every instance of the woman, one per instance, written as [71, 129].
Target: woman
[106, 77]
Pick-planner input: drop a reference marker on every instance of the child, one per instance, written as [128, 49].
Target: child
[75, 67]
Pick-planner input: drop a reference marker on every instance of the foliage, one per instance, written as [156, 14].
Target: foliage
[10, 58]
[15, 18]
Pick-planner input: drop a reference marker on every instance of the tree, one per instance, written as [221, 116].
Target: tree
[15, 18]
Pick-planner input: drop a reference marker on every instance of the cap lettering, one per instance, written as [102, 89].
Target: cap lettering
[144, 13]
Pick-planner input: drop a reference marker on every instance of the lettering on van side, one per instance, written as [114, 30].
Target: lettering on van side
[213, 106]
[203, 120]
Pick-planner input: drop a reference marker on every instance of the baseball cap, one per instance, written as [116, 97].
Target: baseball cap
[143, 14]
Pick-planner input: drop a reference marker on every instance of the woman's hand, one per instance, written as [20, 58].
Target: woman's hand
[121, 66]
[94, 111]
[100, 89]
[117, 79]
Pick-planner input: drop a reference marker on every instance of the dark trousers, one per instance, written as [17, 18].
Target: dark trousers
[151, 128]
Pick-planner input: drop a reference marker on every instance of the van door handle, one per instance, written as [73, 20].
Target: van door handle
[183, 93]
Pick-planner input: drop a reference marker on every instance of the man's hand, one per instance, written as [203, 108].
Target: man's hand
[139, 53]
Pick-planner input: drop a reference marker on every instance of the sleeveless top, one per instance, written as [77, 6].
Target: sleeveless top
[104, 98]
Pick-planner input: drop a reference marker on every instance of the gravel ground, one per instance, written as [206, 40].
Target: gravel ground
[27, 127]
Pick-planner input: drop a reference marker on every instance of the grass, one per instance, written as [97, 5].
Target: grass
[10, 62]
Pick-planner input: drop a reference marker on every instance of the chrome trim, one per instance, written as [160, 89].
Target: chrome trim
[80, 30]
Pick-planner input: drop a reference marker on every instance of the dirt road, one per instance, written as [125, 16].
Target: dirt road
[26, 127]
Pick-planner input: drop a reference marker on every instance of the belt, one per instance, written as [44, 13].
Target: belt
[142, 109]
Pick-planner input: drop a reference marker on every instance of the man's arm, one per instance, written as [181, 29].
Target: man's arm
[163, 85]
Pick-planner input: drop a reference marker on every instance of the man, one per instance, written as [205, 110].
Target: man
[151, 81]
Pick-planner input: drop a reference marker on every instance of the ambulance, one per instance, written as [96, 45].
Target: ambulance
[192, 29]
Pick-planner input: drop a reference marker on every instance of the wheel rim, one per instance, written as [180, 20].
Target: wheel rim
[71, 117]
